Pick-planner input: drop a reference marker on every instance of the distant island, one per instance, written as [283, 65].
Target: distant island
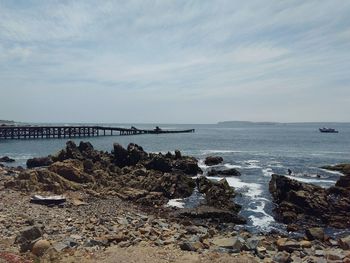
[230, 123]
[7, 122]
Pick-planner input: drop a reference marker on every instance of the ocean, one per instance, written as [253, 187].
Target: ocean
[256, 150]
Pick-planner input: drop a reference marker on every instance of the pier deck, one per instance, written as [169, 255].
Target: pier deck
[41, 132]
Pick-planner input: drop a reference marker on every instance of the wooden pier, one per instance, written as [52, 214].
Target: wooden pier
[40, 132]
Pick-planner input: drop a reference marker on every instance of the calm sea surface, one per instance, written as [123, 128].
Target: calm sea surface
[256, 150]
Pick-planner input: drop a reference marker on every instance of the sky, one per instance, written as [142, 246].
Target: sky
[178, 61]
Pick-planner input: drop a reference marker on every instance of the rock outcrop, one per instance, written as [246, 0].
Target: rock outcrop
[213, 160]
[130, 172]
[6, 159]
[309, 204]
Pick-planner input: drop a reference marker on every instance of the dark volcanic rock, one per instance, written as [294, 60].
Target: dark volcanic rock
[38, 162]
[135, 154]
[213, 160]
[226, 173]
[120, 155]
[188, 165]
[130, 156]
[310, 204]
[6, 159]
[159, 163]
[217, 194]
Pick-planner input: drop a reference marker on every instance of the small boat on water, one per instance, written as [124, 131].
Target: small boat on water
[328, 130]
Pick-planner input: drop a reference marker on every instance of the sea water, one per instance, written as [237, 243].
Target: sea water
[257, 151]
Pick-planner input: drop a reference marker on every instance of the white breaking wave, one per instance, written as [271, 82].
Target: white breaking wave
[267, 172]
[205, 152]
[230, 166]
[310, 180]
[249, 189]
[263, 222]
[332, 172]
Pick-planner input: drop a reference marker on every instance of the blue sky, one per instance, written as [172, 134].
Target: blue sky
[174, 61]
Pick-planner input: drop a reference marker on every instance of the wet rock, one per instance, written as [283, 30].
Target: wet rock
[217, 193]
[6, 159]
[38, 162]
[315, 233]
[225, 173]
[213, 160]
[40, 247]
[26, 236]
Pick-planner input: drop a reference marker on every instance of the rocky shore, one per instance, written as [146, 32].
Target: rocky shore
[115, 209]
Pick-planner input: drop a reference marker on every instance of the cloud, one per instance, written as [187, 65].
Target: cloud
[177, 52]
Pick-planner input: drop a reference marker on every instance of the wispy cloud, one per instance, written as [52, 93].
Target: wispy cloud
[234, 56]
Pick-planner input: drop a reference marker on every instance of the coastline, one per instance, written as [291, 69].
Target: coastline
[103, 213]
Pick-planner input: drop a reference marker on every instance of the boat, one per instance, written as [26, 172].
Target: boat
[328, 130]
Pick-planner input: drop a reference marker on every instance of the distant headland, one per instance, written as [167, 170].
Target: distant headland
[229, 123]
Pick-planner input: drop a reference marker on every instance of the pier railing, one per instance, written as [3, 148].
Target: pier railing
[37, 132]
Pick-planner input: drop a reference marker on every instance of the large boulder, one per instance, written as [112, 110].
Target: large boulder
[41, 180]
[120, 155]
[188, 165]
[213, 160]
[310, 204]
[72, 151]
[159, 163]
[135, 154]
[217, 193]
[72, 170]
[38, 162]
